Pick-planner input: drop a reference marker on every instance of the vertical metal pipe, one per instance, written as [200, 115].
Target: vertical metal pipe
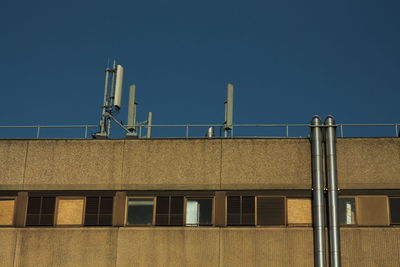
[318, 193]
[333, 204]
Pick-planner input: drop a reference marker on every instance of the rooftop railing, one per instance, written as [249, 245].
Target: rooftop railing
[198, 131]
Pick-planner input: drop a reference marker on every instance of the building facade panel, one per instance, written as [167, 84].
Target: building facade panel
[368, 163]
[165, 246]
[266, 164]
[73, 164]
[12, 164]
[171, 164]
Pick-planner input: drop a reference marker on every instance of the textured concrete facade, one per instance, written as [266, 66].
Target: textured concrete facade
[213, 247]
[191, 164]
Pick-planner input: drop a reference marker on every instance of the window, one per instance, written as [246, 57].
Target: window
[241, 210]
[140, 211]
[271, 211]
[199, 211]
[7, 211]
[98, 211]
[40, 211]
[69, 211]
[169, 211]
[347, 211]
[372, 210]
[299, 211]
[394, 210]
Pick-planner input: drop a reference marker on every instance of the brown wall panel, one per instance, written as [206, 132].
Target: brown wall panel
[372, 210]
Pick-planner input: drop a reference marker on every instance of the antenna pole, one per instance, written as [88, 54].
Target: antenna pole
[228, 124]
[149, 123]
[103, 120]
[132, 113]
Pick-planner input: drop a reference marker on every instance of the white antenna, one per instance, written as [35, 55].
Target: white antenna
[228, 124]
[118, 86]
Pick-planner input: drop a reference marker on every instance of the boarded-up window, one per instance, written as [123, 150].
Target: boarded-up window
[347, 210]
[7, 211]
[372, 210]
[271, 211]
[98, 211]
[40, 211]
[69, 211]
[299, 211]
[241, 210]
[169, 211]
[395, 210]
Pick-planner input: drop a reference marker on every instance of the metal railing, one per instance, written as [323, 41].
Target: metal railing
[200, 130]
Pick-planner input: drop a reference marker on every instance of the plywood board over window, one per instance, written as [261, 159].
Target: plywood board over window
[7, 212]
[372, 210]
[70, 211]
[299, 211]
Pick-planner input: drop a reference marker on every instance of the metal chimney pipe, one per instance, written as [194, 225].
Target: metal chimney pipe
[318, 192]
[333, 204]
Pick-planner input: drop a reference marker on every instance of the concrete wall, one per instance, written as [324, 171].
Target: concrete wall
[369, 247]
[191, 164]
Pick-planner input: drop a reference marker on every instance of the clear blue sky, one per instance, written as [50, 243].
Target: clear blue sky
[288, 60]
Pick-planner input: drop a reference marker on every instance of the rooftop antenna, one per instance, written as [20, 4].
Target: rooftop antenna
[132, 106]
[228, 124]
[111, 100]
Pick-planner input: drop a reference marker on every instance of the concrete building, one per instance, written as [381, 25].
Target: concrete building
[191, 202]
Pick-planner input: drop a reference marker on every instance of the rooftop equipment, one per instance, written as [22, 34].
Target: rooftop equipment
[228, 124]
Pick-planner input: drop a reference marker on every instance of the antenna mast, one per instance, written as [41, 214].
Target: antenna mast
[228, 124]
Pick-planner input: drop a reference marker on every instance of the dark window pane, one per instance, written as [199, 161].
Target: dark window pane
[205, 211]
[234, 213]
[105, 220]
[176, 219]
[106, 205]
[162, 219]
[271, 211]
[234, 204]
[92, 205]
[347, 208]
[162, 205]
[47, 219]
[34, 205]
[248, 210]
[233, 219]
[394, 210]
[32, 219]
[48, 205]
[140, 211]
[91, 219]
[177, 205]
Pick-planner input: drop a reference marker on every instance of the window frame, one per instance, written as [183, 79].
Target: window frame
[14, 198]
[390, 213]
[170, 196]
[199, 197]
[358, 208]
[100, 196]
[355, 224]
[70, 198]
[153, 223]
[241, 213]
[41, 196]
[285, 211]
